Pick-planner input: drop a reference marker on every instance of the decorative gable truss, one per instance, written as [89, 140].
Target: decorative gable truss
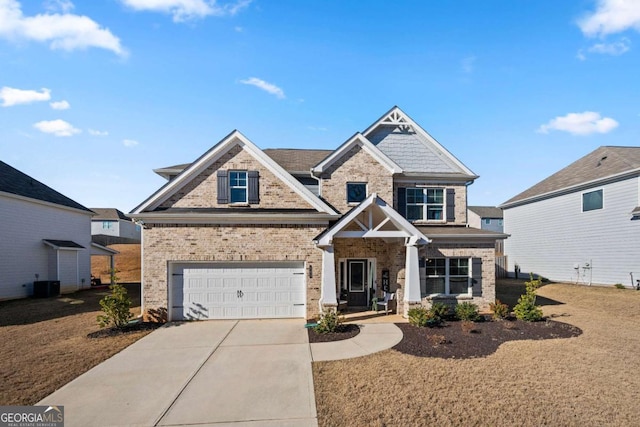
[235, 140]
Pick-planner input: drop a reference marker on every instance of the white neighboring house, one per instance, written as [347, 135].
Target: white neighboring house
[581, 224]
[110, 226]
[44, 235]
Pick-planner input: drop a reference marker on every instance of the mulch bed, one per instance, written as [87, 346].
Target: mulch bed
[344, 332]
[455, 340]
[134, 327]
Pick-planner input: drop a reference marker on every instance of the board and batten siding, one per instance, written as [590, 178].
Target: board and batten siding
[552, 236]
[23, 225]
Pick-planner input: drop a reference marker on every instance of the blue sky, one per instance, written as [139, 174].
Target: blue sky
[96, 94]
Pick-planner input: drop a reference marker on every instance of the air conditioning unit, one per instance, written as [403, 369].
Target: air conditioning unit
[46, 288]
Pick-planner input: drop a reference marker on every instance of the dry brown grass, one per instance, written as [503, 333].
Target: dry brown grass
[127, 264]
[590, 380]
[45, 344]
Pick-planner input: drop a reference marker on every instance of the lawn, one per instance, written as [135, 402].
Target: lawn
[588, 380]
[45, 343]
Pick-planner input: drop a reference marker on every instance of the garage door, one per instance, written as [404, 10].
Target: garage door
[237, 291]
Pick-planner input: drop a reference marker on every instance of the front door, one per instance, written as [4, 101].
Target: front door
[357, 282]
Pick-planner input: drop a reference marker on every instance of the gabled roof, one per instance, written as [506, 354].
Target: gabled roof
[486, 211]
[297, 161]
[411, 147]
[357, 140]
[169, 171]
[108, 214]
[234, 139]
[13, 181]
[372, 218]
[606, 163]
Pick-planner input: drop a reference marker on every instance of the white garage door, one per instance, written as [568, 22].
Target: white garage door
[237, 291]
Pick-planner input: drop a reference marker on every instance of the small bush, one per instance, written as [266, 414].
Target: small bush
[526, 308]
[421, 317]
[467, 311]
[437, 340]
[330, 321]
[469, 327]
[116, 308]
[440, 310]
[500, 310]
[619, 286]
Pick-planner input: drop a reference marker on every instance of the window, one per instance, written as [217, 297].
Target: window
[238, 186]
[425, 204]
[592, 201]
[487, 221]
[447, 276]
[107, 225]
[356, 192]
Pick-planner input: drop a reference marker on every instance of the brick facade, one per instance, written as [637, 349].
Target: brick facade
[179, 242]
[202, 191]
[355, 166]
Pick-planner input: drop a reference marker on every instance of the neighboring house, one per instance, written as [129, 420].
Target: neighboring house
[248, 233]
[581, 224]
[486, 218]
[44, 236]
[110, 226]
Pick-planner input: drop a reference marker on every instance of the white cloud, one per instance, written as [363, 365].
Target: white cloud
[60, 105]
[56, 127]
[580, 124]
[266, 86]
[184, 10]
[12, 96]
[610, 17]
[64, 6]
[468, 64]
[62, 31]
[615, 49]
[129, 142]
[94, 132]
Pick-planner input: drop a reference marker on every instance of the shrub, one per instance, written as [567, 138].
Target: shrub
[116, 307]
[421, 317]
[526, 308]
[329, 322]
[440, 310]
[619, 286]
[467, 311]
[469, 327]
[500, 310]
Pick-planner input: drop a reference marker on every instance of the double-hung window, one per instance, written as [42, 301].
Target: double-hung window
[238, 187]
[447, 276]
[592, 201]
[425, 204]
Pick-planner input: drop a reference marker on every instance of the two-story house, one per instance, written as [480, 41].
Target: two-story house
[110, 226]
[248, 233]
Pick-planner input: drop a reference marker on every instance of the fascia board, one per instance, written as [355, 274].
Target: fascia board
[49, 204]
[244, 218]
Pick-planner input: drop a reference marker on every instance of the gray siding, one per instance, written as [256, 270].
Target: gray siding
[23, 255]
[551, 236]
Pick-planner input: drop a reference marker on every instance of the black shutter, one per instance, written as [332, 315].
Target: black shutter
[223, 187]
[254, 187]
[476, 276]
[402, 201]
[451, 204]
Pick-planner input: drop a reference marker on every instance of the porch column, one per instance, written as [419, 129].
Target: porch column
[412, 273]
[328, 288]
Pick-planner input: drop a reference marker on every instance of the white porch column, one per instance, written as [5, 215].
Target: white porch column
[412, 273]
[328, 288]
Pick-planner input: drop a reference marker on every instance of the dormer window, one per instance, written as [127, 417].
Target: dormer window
[238, 186]
[356, 192]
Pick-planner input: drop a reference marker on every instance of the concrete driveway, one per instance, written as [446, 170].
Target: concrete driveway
[222, 373]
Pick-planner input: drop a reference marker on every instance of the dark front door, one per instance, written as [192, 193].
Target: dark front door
[357, 282]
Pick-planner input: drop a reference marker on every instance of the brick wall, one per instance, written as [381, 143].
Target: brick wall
[202, 191]
[355, 166]
[164, 243]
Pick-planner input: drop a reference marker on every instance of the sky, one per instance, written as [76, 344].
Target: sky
[94, 95]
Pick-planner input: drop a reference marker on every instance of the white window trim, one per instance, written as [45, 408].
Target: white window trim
[246, 188]
[447, 276]
[587, 192]
[424, 205]
[366, 192]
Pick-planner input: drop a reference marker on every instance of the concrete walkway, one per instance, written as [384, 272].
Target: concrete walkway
[245, 373]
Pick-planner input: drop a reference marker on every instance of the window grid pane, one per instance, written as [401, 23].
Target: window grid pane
[238, 186]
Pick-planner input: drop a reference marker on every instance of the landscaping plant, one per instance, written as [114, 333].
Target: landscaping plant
[421, 317]
[330, 321]
[500, 310]
[116, 306]
[440, 310]
[526, 308]
[467, 311]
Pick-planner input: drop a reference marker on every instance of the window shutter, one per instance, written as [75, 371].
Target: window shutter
[451, 204]
[223, 187]
[476, 277]
[254, 187]
[402, 202]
